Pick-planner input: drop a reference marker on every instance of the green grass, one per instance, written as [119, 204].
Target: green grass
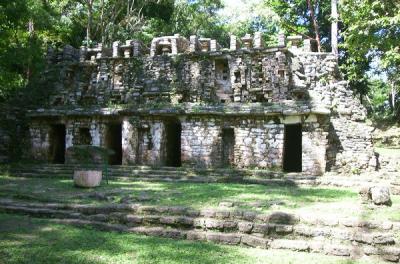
[29, 240]
[195, 195]
[321, 201]
[393, 152]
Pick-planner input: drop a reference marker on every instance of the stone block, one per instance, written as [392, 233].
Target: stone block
[337, 250]
[260, 228]
[380, 195]
[254, 241]
[296, 245]
[194, 235]
[245, 227]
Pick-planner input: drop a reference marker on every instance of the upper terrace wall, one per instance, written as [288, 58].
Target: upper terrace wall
[175, 71]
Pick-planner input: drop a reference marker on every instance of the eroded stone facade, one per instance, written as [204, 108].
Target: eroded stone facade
[193, 103]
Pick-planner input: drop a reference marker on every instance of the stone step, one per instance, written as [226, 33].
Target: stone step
[222, 219]
[298, 237]
[143, 169]
[226, 213]
[329, 247]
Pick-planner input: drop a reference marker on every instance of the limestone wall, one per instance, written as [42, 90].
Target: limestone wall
[259, 144]
[40, 140]
[350, 146]
[314, 144]
[201, 142]
[232, 104]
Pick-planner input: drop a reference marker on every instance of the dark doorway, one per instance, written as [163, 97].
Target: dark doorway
[228, 144]
[57, 144]
[292, 148]
[114, 142]
[173, 132]
[85, 138]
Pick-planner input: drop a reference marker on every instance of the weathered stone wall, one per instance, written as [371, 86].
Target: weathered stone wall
[143, 142]
[314, 144]
[259, 144]
[40, 140]
[76, 130]
[350, 147]
[240, 76]
[4, 143]
[129, 142]
[201, 142]
[232, 104]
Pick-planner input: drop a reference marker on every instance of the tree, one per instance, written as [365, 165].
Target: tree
[334, 27]
[372, 34]
[309, 18]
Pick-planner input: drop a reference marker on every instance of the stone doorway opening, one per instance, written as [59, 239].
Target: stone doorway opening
[57, 144]
[84, 136]
[173, 131]
[113, 141]
[228, 144]
[292, 150]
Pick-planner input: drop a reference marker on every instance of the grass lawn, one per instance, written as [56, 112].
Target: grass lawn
[340, 202]
[196, 195]
[29, 240]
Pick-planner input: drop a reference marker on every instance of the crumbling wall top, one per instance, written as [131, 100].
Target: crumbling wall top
[175, 45]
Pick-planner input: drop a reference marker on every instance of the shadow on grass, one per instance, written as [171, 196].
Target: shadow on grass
[26, 240]
[212, 193]
[196, 195]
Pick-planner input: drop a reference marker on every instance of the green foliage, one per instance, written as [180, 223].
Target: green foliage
[295, 18]
[371, 36]
[252, 18]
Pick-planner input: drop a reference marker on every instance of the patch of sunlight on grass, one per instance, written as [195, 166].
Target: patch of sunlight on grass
[393, 152]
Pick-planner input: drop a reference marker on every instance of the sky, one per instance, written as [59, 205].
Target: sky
[238, 10]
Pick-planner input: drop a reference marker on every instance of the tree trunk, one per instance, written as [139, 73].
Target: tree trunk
[393, 99]
[102, 31]
[315, 24]
[334, 28]
[31, 31]
[89, 22]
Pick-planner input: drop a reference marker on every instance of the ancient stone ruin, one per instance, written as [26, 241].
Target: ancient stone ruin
[193, 103]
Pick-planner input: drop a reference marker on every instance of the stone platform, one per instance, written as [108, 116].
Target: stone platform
[275, 230]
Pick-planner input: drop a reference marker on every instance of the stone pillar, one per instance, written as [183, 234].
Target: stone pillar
[213, 45]
[281, 40]
[97, 133]
[127, 49]
[193, 43]
[99, 49]
[40, 141]
[174, 46]
[136, 48]
[314, 144]
[69, 135]
[129, 143]
[258, 144]
[201, 143]
[233, 43]
[258, 40]
[116, 45]
[157, 132]
[307, 45]
[82, 53]
[153, 47]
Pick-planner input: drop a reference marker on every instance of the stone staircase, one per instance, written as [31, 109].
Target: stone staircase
[178, 174]
[184, 174]
[275, 230]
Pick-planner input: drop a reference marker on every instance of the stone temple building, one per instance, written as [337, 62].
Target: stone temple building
[190, 102]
